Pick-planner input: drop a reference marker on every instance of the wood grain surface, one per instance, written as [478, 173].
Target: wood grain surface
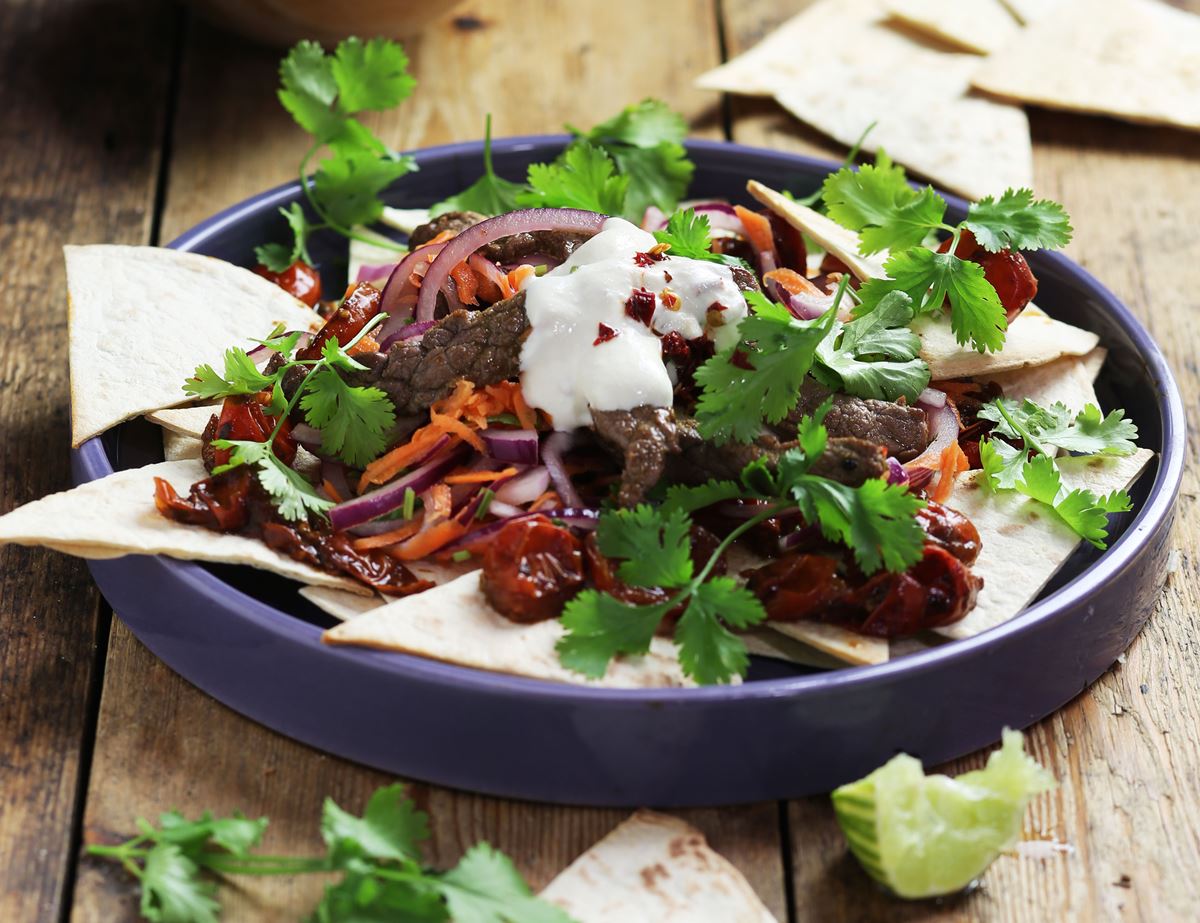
[85, 86]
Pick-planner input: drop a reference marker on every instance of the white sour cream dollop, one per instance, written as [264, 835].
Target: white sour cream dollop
[566, 372]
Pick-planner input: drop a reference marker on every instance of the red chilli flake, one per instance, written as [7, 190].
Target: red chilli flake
[640, 306]
[648, 258]
[604, 333]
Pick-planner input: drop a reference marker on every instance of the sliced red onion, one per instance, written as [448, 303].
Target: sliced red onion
[382, 501]
[373, 273]
[488, 270]
[471, 510]
[654, 219]
[307, 436]
[919, 478]
[409, 331]
[376, 527]
[552, 453]
[479, 235]
[525, 487]
[807, 306]
[576, 517]
[896, 472]
[434, 451]
[399, 297]
[932, 399]
[512, 445]
[502, 510]
[943, 423]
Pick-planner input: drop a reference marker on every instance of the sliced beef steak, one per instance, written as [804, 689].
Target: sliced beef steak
[483, 347]
[654, 441]
[447, 221]
[900, 429]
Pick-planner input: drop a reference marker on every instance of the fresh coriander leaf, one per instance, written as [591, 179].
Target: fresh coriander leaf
[236, 834]
[1081, 510]
[708, 651]
[656, 547]
[241, 377]
[761, 376]
[371, 75]
[347, 185]
[172, 889]
[276, 257]
[1002, 464]
[689, 235]
[391, 827]
[876, 521]
[687, 499]
[600, 627]
[878, 202]
[488, 195]
[354, 421]
[292, 495]
[309, 89]
[1088, 432]
[646, 125]
[876, 355]
[1015, 221]
[586, 178]
[485, 887]
[364, 897]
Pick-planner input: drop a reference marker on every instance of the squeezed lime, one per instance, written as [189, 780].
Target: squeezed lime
[924, 836]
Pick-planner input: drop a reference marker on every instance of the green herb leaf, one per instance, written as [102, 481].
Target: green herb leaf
[689, 235]
[309, 89]
[485, 887]
[292, 495]
[600, 627]
[241, 377]
[390, 828]
[878, 202]
[656, 546]
[348, 184]
[354, 421]
[172, 890]
[236, 834]
[371, 75]
[488, 195]
[1088, 432]
[1002, 464]
[1081, 510]
[1015, 221]
[876, 355]
[708, 650]
[586, 178]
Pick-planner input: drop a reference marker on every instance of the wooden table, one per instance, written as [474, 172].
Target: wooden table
[128, 122]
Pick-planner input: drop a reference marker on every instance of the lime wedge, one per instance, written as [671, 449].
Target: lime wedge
[921, 835]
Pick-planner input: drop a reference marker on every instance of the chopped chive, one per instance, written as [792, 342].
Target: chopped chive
[410, 502]
[485, 501]
[561, 523]
[459, 556]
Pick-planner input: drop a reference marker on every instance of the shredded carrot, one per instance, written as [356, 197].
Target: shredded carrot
[452, 403]
[523, 411]
[388, 466]
[439, 503]
[758, 229]
[549, 498]
[954, 461]
[408, 530]
[793, 282]
[479, 477]
[333, 494]
[366, 345]
[427, 541]
[465, 283]
[519, 275]
[457, 428]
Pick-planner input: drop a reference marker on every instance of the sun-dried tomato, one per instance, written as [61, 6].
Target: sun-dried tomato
[640, 305]
[789, 244]
[951, 530]
[359, 306]
[1007, 271]
[299, 280]
[334, 552]
[798, 586]
[242, 418]
[532, 569]
[220, 503]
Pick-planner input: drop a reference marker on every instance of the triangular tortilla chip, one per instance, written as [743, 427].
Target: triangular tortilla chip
[1022, 543]
[177, 446]
[839, 66]
[1034, 338]
[339, 603]
[1137, 60]
[981, 26]
[143, 318]
[186, 421]
[654, 868]
[454, 622]
[1069, 381]
[115, 516]
[840, 643]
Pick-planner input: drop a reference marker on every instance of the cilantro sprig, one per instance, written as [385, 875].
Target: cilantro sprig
[689, 235]
[876, 521]
[324, 94]
[877, 201]
[353, 420]
[377, 855]
[873, 356]
[1044, 432]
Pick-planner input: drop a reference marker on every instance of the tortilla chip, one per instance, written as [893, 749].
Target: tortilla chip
[839, 66]
[339, 603]
[1137, 60]
[840, 643]
[654, 868]
[1023, 544]
[838, 240]
[454, 622]
[187, 421]
[764, 642]
[177, 446]
[1069, 381]
[406, 220]
[115, 516]
[981, 26]
[1034, 338]
[143, 318]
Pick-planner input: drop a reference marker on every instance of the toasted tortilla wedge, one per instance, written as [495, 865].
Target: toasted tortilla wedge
[840, 643]
[1137, 60]
[1023, 544]
[115, 516]
[186, 421]
[454, 622]
[1069, 381]
[840, 65]
[177, 446]
[765, 642]
[981, 26]
[339, 603]
[654, 868]
[121, 301]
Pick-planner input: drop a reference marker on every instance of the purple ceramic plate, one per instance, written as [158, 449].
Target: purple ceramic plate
[250, 641]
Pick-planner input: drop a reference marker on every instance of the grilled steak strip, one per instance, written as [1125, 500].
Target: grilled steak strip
[900, 429]
[654, 441]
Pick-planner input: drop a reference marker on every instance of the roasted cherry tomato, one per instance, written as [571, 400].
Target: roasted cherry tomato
[1006, 270]
[951, 530]
[242, 418]
[798, 586]
[299, 280]
[359, 306]
[531, 569]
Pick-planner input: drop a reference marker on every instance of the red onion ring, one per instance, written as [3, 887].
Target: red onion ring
[372, 273]
[525, 487]
[479, 235]
[379, 502]
[932, 399]
[552, 452]
[395, 302]
[511, 445]
[945, 426]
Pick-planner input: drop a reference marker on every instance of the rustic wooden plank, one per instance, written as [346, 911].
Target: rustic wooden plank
[82, 88]
[161, 743]
[1127, 751]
